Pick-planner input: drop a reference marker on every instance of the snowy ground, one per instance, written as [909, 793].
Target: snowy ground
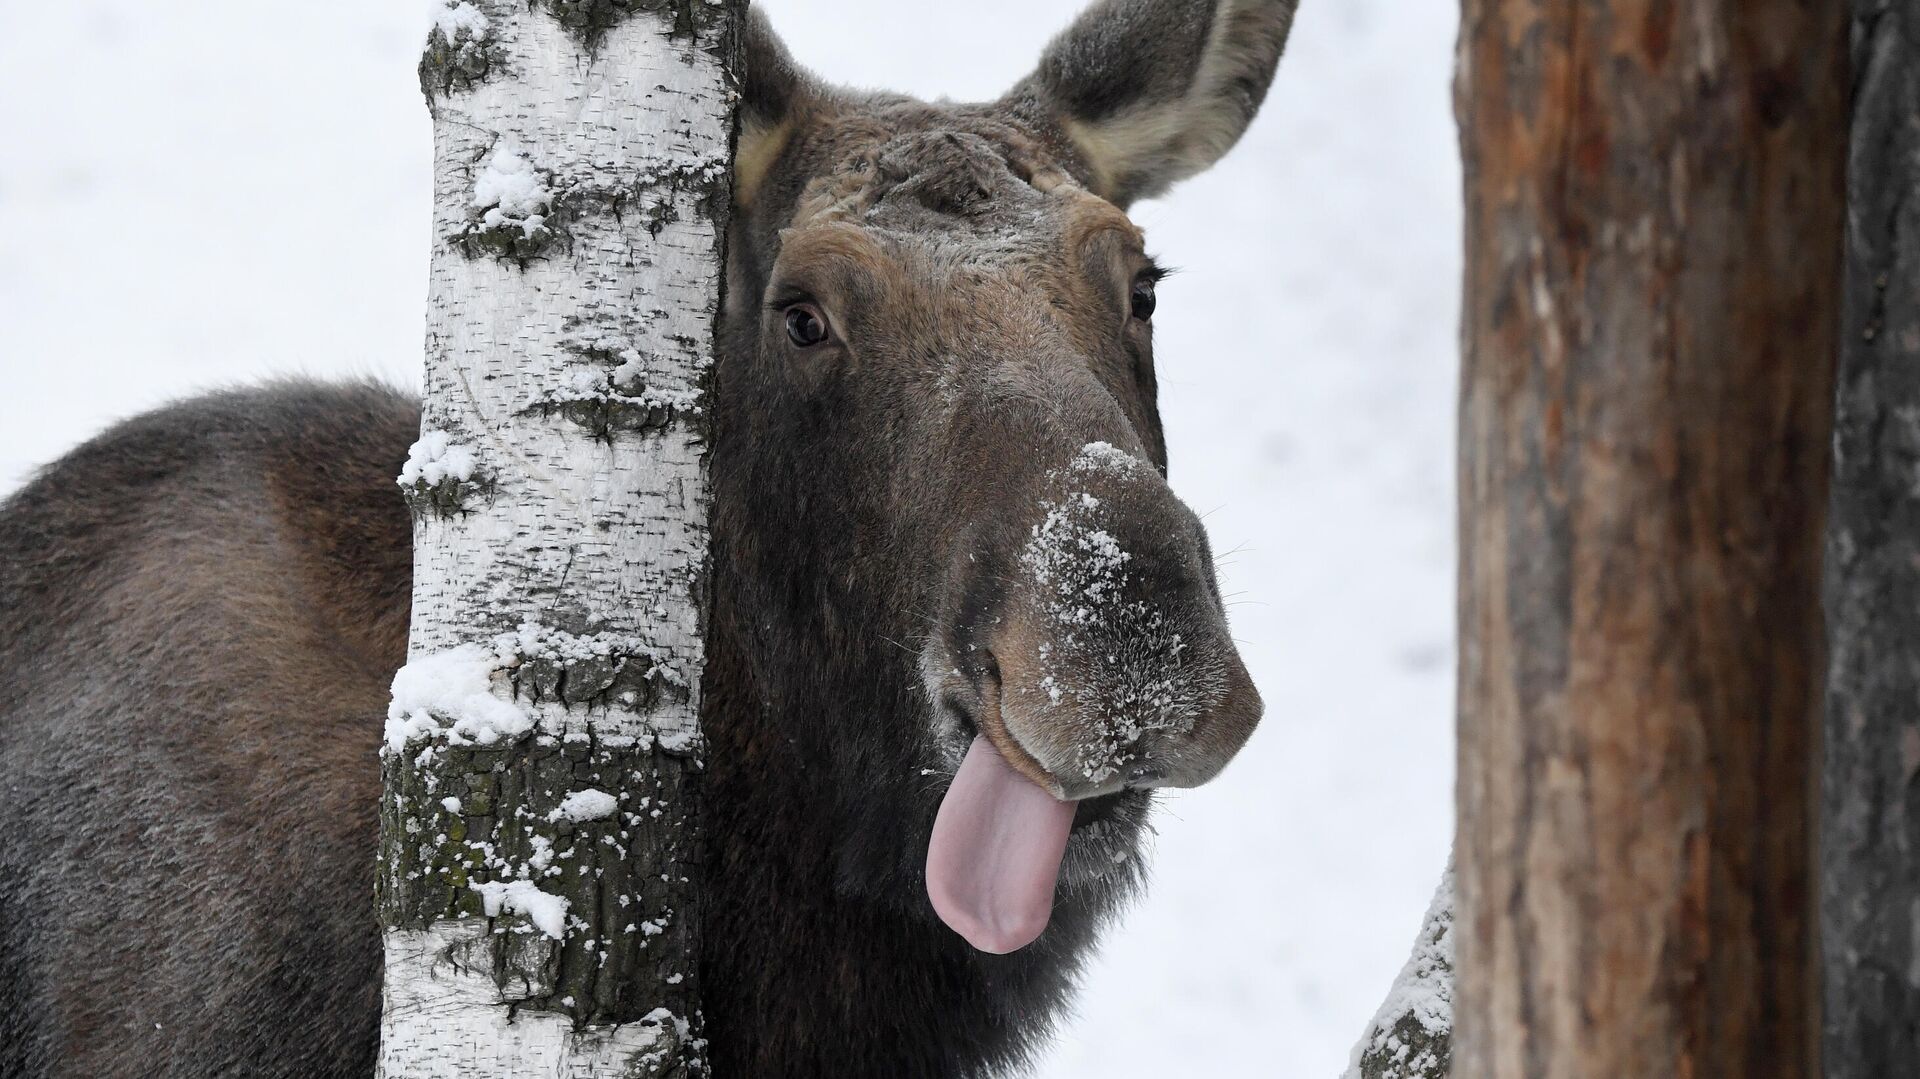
[199, 194]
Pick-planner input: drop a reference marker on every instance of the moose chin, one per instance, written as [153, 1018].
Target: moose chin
[961, 629]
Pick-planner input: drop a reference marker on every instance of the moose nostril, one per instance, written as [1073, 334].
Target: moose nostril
[990, 668]
[1145, 775]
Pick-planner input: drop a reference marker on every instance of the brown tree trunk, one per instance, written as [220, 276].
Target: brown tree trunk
[1654, 211]
[1870, 838]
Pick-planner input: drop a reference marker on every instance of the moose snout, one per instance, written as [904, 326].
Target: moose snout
[1081, 737]
[1194, 756]
[1111, 662]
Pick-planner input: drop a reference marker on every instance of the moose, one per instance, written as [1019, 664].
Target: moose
[935, 423]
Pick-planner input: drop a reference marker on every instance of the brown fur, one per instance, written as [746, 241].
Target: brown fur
[197, 622]
[200, 611]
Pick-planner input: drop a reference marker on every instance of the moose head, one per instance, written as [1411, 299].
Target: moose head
[952, 567]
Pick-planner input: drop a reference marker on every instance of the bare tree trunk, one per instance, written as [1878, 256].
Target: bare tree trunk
[1870, 902]
[1654, 210]
[537, 878]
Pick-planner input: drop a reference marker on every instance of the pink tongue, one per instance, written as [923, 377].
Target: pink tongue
[995, 854]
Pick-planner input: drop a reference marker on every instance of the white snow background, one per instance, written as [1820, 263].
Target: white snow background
[193, 195]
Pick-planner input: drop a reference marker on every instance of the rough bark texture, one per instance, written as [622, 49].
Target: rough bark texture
[1870, 902]
[536, 880]
[1654, 211]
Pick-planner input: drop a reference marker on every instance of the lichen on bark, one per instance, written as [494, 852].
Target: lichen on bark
[580, 190]
[457, 57]
[495, 817]
[444, 498]
[517, 242]
[590, 20]
[610, 411]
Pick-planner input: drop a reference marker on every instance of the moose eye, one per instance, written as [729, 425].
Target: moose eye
[805, 327]
[1142, 298]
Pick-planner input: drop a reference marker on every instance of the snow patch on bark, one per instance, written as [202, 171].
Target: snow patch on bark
[451, 693]
[436, 458]
[631, 373]
[547, 912]
[508, 190]
[452, 19]
[1411, 1036]
[586, 805]
[620, 400]
[531, 640]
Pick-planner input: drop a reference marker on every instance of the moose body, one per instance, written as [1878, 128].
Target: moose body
[941, 533]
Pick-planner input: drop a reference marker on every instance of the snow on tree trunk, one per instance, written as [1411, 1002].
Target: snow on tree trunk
[1870, 850]
[1655, 204]
[537, 884]
[1411, 1036]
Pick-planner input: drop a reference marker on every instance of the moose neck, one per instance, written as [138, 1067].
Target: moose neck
[826, 959]
[820, 797]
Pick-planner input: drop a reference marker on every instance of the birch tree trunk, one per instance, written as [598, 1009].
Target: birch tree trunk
[1870, 903]
[1654, 209]
[537, 881]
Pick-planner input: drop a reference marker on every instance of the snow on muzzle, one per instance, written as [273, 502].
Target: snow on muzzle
[1115, 670]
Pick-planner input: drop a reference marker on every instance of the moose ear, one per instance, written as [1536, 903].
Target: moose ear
[771, 88]
[1151, 92]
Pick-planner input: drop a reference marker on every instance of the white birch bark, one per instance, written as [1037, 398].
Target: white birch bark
[538, 820]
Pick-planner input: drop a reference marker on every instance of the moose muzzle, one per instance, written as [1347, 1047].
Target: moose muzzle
[1109, 666]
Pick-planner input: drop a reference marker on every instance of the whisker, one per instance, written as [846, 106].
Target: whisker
[897, 644]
